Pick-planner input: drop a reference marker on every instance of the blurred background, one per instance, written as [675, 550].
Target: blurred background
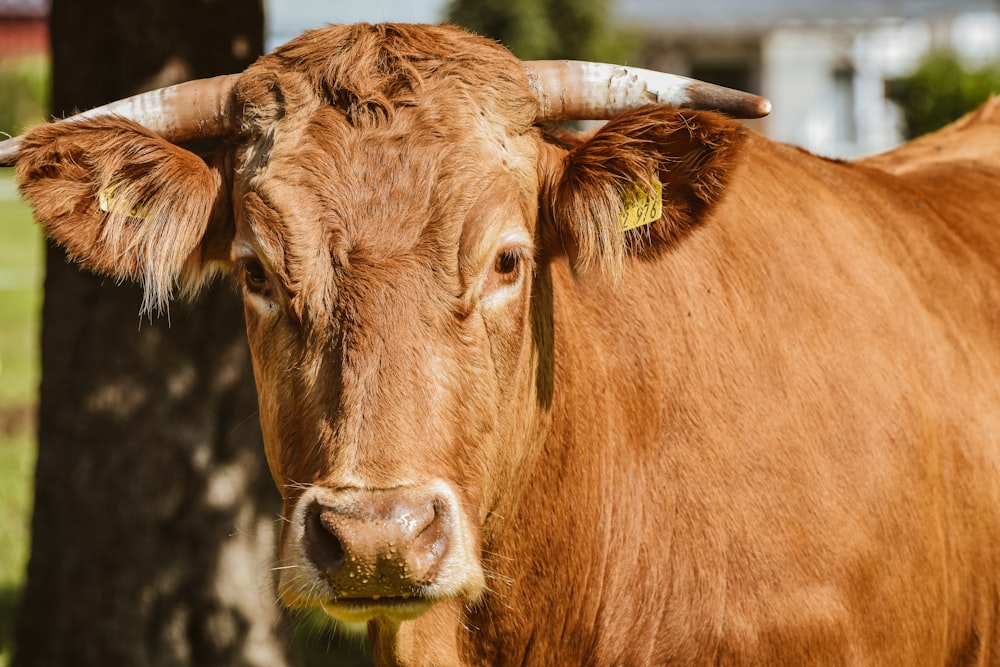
[846, 78]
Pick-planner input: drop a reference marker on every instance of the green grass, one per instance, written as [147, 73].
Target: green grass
[21, 260]
[20, 297]
[17, 457]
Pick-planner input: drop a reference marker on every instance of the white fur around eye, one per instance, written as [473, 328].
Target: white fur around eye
[504, 275]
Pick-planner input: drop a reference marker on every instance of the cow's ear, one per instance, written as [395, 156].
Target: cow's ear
[641, 182]
[128, 204]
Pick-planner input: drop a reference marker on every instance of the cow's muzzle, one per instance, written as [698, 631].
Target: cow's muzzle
[383, 552]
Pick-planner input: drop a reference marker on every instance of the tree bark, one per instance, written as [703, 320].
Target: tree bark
[155, 516]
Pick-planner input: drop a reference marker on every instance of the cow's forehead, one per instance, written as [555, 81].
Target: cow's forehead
[394, 187]
[411, 85]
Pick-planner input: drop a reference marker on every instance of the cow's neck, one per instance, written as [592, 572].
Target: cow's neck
[430, 640]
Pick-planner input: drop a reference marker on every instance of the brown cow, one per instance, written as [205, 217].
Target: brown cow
[764, 429]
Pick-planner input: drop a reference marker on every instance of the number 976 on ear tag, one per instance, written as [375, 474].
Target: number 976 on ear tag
[643, 205]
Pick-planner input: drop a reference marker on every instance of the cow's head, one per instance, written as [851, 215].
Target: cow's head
[390, 205]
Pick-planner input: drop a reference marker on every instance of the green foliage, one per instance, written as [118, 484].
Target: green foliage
[24, 86]
[546, 29]
[941, 90]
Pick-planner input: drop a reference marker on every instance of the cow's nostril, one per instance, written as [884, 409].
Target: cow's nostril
[323, 548]
[429, 547]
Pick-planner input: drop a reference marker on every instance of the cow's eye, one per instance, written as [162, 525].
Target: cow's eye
[508, 265]
[507, 262]
[254, 275]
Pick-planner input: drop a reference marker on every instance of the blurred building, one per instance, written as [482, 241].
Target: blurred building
[23, 28]
[287, 18]
[822, 63]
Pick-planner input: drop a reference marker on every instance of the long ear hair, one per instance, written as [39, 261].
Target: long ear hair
[126, 203]
[689, 155]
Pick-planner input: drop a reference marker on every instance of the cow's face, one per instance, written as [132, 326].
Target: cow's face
[386, 251]
[390, 213]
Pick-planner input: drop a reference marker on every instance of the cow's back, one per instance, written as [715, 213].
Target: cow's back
[950, 177]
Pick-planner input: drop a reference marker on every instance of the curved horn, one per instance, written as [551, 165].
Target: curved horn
[576, 90]
[8, 151]
[187, 111]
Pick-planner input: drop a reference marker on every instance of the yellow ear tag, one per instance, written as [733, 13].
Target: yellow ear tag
[642, 205]
[106, 200]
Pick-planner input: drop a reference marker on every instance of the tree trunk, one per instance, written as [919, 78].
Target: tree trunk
[155, 517]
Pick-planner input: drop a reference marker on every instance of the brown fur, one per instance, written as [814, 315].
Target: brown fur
[690, 156]
[773, 439]
[64, 168]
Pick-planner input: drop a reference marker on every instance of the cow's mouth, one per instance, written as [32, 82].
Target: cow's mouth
[360, 610]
